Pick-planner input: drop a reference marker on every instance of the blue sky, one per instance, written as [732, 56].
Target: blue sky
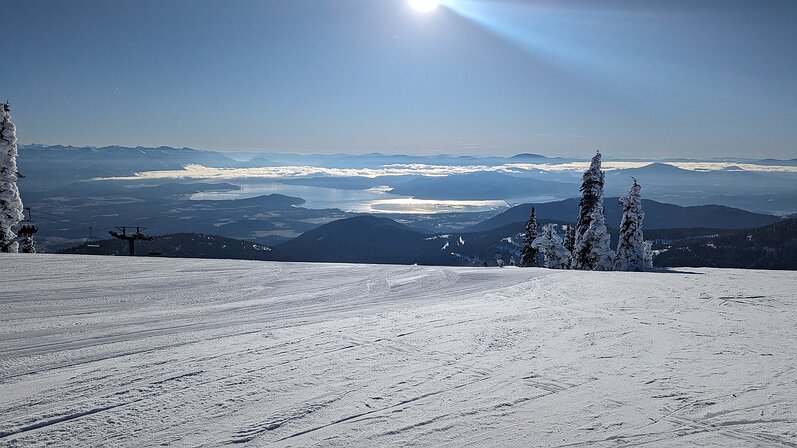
[634, 78]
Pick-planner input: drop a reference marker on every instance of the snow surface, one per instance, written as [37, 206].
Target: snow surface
[140, 352]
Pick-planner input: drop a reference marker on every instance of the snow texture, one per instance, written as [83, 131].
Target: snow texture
[630, 254]
[144, 352]
[552, 248]
[10, 202]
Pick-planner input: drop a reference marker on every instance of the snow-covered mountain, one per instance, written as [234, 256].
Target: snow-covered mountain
[99, 351]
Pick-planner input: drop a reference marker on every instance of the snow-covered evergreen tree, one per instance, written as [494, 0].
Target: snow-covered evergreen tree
[592, 249]
[570, 242]
[597, 255]
[528, 255]
[550, 244]
[631, 246]
[648, 254]
[10, 202]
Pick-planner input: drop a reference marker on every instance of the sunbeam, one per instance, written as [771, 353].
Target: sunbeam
[560, 38]
[573, 39]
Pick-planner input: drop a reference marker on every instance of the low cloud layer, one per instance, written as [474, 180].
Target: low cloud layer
[282, 172]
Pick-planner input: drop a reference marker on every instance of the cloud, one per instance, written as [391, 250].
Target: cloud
[419, 169]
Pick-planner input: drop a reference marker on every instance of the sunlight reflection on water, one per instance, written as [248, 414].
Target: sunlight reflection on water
[430, 206]
[372, 200]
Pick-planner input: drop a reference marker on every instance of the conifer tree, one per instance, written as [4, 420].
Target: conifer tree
[552, 248]
[528, 255]
[570, 242]
[592, 249]
[10, 202]
[648, 255]
[631, 246]
[597, 254]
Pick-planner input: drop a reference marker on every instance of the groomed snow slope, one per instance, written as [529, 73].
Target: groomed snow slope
[144, 352]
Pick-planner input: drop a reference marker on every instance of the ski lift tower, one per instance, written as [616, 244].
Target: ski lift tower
[131, 238]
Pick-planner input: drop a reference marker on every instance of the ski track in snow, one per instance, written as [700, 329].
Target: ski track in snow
[99, 351]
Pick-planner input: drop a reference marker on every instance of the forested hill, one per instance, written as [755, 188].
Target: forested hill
[181, 245]
[368, 239]
[658, 215]
[769, 247]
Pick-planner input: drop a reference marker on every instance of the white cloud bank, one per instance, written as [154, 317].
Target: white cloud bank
[418, 169]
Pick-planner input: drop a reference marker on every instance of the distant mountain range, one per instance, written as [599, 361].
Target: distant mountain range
[369, 239]
[361, 239]
[47, 167]
[770, 192]
[65, 201]
[659, 175]
[658, 215]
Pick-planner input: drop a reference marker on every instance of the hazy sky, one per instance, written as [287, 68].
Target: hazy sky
[634, 78]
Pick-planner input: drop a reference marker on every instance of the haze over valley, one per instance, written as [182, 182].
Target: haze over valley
[269, 198]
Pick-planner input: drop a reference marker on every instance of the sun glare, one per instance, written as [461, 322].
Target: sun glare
[424, 5]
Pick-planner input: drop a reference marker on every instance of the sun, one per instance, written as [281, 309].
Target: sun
[424, 5]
